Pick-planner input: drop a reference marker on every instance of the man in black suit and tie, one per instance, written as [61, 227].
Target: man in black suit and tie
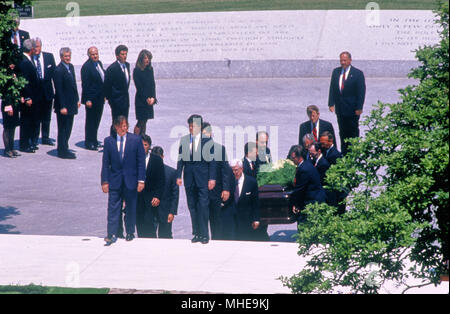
[45, 65]
[307, 187]
[19, 36]
[168, 206]
[314, 125]
[218, 196]
[249, 161]
[246, 203]
[149, 222]
[346, 98]
[66, 102]
[196, 163]
[92, 96]
[116, 84]
[319, 161]
[29, 109]
[122, 177]
[264, 155]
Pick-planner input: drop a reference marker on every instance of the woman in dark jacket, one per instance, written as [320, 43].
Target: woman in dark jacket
[10, 112]
[145, 91]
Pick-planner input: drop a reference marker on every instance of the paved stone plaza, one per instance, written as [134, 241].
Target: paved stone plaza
[44, 195]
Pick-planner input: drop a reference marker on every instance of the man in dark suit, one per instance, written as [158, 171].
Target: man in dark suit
[346, 98]
[148, 218]
[264, 155]
[246, 203]
[319, 161]
[66, 101]
[221, 192]
[168, 206]
[307, 187]
[196, 163]
[334, 198]
[249, 161]
[117, 82]
[45, 66]
[314, 125]
[92, 95]
[29, 109]
[122, 177]
[19, 36]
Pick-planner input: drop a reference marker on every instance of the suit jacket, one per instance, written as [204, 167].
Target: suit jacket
[307, 187]
[199, 167]
[145, 86]
[92, 86]
[332, 155]
[353, 94]
[23, 35]
[223, 178]
[247, 208]
[130, 170]
[322, 166]
[116, 85]
[263, 158]
[66, 92]
[155, 178]
[171, 193]
[48, 67]
[248, 170]
[31, 89]
[306, 128]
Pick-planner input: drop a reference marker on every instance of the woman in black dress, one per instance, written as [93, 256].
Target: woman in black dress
[145, 91]
[10, 113]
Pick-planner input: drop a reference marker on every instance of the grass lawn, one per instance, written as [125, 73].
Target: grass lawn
[57, 8]
[33, 289]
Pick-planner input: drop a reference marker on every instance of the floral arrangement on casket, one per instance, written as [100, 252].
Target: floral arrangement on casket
[280, 173]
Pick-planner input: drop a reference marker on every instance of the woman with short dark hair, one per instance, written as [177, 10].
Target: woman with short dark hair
[145, 91]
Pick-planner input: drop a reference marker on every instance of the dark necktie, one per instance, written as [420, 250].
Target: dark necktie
[38, 67]
[121, 149]
[236, 192]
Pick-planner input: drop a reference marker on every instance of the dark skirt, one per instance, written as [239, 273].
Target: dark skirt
[144, 112]
[10, 122]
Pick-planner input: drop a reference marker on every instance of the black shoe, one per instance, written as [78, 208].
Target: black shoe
[15, 153]
[90, 147]
[120, 236]
[27, 150]
[9, 154]
[204, 240]
[129, 237]
[99, 144]
[47, 142]
[195, 239]
[110, 240]
[34, 147]
[67, 155]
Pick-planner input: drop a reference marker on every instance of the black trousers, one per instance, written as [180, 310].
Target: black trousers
[198, 201]
[65, 124]
[93, 118]
[29, 123]
[348, 128]
[45, 119]
[151, 222]
[216, 219]
[8, 138]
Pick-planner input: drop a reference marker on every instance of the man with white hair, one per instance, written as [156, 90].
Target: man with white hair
[246, 203]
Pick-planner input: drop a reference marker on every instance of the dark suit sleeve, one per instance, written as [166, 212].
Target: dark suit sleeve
[361, 91]
[59, 89]
[212, 165]
[107, 86]
[331, 100]
[106, 162]
[226, 179]
[255, 202]
[160, 177]
[174, 195]
[140, 160]
[180, 162]
[85, 84]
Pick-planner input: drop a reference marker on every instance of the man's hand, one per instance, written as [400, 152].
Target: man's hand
[295, 210]
[89, 104]
[155, 202]
[255, 225]
[79, 105]
[140, 187]
[150, 101]
[64, 111]
[179, 182]
[331, 108]
[105, 187]
[170, 218]
[211, 184]
[225, 195]
[29, 102]
[11, 112]
[358, 112]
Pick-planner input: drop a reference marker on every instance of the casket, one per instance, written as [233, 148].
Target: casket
[275, 205]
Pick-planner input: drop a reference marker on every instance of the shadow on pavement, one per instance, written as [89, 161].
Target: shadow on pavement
[6, 213]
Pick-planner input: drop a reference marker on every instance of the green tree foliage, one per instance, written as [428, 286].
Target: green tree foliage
[10, 83]
[396, 223]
